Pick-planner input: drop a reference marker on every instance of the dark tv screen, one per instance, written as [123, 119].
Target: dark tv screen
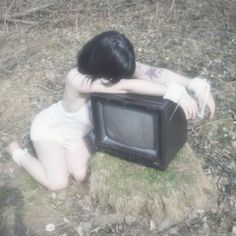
[129, 127]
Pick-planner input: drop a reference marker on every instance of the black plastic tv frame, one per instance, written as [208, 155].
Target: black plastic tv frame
[169, 127]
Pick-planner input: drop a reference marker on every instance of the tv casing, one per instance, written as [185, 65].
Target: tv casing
[171, 128]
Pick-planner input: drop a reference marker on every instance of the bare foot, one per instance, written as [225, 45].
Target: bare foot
[12, 147]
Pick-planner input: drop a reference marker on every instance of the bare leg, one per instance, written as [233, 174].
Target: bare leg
[50, 169]
[78, 159]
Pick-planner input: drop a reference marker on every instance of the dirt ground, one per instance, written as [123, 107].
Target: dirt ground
[39, 41]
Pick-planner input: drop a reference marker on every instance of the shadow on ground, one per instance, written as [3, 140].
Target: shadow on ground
[11, 211]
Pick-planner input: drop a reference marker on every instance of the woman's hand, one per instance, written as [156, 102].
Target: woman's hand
[178, 94]
[206, 99]
[201, 90]
[189, 106]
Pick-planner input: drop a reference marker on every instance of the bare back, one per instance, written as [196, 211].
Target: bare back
[72, 99]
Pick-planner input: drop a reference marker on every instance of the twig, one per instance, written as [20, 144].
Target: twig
[30, 11]
[197, 41]
[13, 18]
[173, 2]
[10, 20]
[141, 12]
[157, 8]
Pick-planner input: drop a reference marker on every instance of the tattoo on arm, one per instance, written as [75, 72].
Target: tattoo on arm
[153, 73]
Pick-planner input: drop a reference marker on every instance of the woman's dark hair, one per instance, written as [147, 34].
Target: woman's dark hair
[109, 55]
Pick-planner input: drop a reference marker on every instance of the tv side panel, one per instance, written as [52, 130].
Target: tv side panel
[96, 120]
[173, 132]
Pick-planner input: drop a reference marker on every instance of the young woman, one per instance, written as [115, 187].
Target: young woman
[106, 64]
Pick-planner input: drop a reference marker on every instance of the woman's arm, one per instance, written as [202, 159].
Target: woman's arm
[165, 76]
[159, 75]
[136, 86]
[144, 87]
[84, 85]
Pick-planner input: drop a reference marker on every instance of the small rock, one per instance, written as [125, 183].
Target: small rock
[119, 228]
[205, 226]
[234, 143]
[234, 229]
[79, 231]
[130, 219]
[54, 195]
[199, 211]
[222, 182]
[152, 225]
[50, 75]
[231, 165]
[50, 227]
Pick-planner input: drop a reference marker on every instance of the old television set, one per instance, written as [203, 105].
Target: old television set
[148, 130]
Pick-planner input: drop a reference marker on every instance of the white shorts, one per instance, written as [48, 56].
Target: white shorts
[54, 123]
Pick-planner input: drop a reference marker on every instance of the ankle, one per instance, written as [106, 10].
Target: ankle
[17, 155]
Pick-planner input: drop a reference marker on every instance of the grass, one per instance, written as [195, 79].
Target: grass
[129, 188]
[194, 38]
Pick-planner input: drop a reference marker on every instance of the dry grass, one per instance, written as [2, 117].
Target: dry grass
[129, 188]
[39, 40]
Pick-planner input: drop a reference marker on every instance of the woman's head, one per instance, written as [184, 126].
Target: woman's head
[109, 55]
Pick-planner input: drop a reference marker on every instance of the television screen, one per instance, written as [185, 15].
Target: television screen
[124, 122]
[143, 129]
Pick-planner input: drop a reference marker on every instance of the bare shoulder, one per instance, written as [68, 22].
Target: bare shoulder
[74, 74]
[74, 78]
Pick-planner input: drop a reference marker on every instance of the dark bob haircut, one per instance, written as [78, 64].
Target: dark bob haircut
[109, 55]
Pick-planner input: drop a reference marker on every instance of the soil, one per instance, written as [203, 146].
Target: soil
[39, 41]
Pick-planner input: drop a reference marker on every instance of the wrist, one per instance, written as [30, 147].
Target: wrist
[174, 92]
[197, 86]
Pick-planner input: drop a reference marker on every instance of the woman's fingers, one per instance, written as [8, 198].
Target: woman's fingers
[189, 107]
[210, 103]
[184, 107]
[186, 112]
[194, 109]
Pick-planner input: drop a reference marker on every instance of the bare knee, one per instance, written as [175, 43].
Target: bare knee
[80, 174]
[80, 177]
[57, 184]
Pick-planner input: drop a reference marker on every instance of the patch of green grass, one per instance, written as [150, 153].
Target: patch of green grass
[133, 188]
[25, 182]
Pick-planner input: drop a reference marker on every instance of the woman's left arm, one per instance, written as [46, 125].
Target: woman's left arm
[165, 77]
[160, 75]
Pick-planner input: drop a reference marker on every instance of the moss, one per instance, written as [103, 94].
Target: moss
[25, 182]
[129, 187]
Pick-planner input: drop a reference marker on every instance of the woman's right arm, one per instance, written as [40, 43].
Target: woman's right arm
[135, 86]
[84, 85]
